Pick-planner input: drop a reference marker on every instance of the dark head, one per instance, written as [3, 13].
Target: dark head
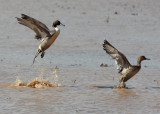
[141, 58]
[56, 23]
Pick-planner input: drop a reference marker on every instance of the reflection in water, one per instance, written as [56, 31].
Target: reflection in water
[40, 82]
[111, 87]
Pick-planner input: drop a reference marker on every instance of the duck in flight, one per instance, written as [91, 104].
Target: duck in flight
[126, 70]
[46, 36]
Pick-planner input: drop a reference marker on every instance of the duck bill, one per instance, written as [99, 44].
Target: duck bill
[148, 59]
[62, 24]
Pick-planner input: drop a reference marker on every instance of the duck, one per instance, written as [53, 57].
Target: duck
[125, 69]
[46, 36]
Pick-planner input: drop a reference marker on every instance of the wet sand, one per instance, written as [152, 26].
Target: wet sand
[83, 86]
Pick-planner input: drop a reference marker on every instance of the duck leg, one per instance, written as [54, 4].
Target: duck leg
[121, 85]
[121, 82]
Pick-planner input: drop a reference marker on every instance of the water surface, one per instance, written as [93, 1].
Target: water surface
[85, 87]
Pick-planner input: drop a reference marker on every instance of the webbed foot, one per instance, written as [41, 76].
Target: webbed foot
[42, 55]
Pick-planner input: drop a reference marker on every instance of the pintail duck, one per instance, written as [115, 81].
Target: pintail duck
[46, 36]
[126, 70]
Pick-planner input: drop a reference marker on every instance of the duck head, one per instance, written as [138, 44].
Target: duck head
[141, 58]
[56, 23]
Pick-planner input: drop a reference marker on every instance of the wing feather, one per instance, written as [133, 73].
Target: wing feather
[37, 22]
[120, 59]
[39, 28]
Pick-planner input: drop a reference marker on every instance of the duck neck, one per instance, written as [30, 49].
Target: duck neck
[57, 29]
[139, 63]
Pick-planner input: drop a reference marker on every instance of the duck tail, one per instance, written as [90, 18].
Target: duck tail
[39, 51]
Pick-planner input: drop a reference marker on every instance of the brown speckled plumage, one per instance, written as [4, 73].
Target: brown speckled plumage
[126, 70]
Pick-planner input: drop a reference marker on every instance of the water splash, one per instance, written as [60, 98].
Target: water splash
[56, 77]
[40, 82]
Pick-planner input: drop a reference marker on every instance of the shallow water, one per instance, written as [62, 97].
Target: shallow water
[84, 86]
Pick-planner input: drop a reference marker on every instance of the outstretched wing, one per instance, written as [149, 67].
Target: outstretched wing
[37, 22]
[120, 59]
[38, 27]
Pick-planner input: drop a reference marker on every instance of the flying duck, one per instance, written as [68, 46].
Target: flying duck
[46, 36]
[126, 70]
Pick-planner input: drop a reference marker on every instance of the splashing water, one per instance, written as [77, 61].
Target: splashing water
[56, 77]
[40, 82]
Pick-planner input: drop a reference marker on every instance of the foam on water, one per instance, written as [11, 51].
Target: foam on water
[40, 82]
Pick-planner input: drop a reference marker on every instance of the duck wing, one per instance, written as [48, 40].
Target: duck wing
[120, 59]
[38, 27]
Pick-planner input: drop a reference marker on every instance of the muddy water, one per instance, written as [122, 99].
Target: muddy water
[83, 86]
